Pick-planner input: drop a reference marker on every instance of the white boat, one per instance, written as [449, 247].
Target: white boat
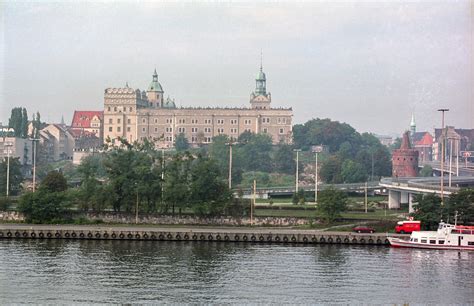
[447, 237]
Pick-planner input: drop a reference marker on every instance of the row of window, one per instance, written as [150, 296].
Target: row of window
[193, 130]
[120, 109]
[265, 120]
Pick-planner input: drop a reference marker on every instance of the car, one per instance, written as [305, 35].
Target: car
[363, 229]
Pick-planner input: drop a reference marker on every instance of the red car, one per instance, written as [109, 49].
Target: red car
[363, 229]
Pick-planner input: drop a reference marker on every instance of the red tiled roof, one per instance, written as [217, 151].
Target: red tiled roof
[423, 139]
[82, 119]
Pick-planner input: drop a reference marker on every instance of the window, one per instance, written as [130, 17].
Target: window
[181, 130]
[207, 130]
[118, 120]
[143, 120]
[440, 241]
[265, 120]
[220, 121]
[247, 121]
[282, 131]
[233, 131]
[470, 243]
[432, 241]
[207, 121]
[115, 108]
[169, 120]
[111, 120]
[248, 130]
[194, 121]
[110, 129]
[143, 129]
[156, 130]
[129, 121]
[233, 121]
[207, 139]
[169, 130]
[220, 131]
[415, 239]
[193, 139]
[265, 130]
[182, 121]
[194, 130]
[118, 129]
[128, 129]
[108, 108]
[423, 240]
[156, 120]
[131, 109]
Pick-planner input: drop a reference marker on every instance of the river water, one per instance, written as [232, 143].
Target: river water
[65, 271]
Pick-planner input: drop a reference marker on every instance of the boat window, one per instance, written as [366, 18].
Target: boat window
[415, 239]
[433, 241]
[423, 240]
[470, 243]
[440, 241]
[455, 231]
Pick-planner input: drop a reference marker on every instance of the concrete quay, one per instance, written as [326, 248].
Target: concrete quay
[215, 234]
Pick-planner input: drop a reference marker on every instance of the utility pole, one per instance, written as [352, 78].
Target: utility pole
[230, 144]
[297, 166]
[8, 145]
[442, 110]
[253, 202]
[450, 160]
[316, 150]
[34, 140]
[365, 189]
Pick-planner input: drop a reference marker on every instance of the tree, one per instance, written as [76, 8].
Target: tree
[283, 160]
[15, 121]
[301, 196]
[210, 194]
[461, 202]
[353, 172]
[426, 171]
[181, 143]
[428, 210]
[177, 181]
[331, 203]
[16, 176]
[255, 153]
[24, 123]
[50, 203]
[54, 182]
[330, 170]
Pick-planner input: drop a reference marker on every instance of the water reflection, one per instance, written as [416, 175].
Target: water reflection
[53, 271]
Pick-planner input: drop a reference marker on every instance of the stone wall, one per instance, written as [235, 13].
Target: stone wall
[124, 218]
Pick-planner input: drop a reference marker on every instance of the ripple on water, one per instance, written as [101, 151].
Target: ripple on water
[49, 271]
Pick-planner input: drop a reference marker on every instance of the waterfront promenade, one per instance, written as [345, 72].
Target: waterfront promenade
[215, 234]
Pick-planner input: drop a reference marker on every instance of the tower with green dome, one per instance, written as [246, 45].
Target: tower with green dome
[260, 99]
[155, 92]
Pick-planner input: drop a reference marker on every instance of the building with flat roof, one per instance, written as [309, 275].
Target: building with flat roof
[135, 115]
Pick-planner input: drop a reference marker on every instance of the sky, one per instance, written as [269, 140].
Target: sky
[369, 64]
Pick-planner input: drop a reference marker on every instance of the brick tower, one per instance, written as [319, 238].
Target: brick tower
[405, 159]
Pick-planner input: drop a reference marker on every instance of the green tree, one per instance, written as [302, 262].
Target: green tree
[16, 176]
[283, 160]
[461, 202]
[301, 196]
[428, 210]
[426, 171]
[50, 203]
[24, 123]
[210, 194]
[177, 181]
[54, 182]
[181, 143]
[331, 203]
[353, 172]
[255, 154]
[16, 120]
[330, 171]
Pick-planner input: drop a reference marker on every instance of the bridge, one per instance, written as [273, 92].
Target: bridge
[465, 169]
[266, 192]
[401, 190]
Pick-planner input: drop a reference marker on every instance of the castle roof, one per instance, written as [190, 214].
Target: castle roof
[155, 85]
[82, 119]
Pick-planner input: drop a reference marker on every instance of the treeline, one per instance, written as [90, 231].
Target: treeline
[351, 156]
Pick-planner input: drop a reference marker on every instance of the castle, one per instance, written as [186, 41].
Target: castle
[135, 115]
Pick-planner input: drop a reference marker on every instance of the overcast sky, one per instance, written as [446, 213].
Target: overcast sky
[370, 64]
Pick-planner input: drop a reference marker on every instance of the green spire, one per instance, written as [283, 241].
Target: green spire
[155, 85]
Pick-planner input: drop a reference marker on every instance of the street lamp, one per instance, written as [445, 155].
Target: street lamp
[8, 145]
[230, 144]
[297, 168]
[316, 150]
[442, 110]
[34, 140]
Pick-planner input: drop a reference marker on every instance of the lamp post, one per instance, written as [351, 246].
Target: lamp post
[8, 145]
[297, 166]
[230, 144]
[442, 110]
[316, 150]
[34, 140]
